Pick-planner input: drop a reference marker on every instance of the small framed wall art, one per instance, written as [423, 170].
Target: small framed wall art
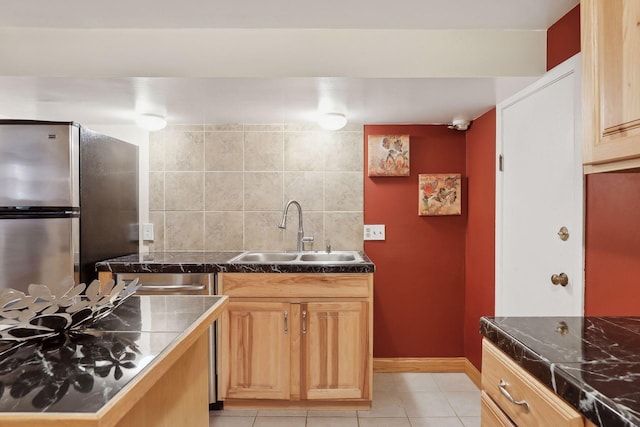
[439, 194]
[388, 155]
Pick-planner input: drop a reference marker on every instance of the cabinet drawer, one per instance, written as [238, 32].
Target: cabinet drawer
[491, 415]
[544, 407]
[285, 285]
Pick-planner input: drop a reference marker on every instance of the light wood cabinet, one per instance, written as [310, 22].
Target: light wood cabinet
[611, 84]
[302, 340]
[514, 396]
[334, 342]
[491, 414]
[259, 346]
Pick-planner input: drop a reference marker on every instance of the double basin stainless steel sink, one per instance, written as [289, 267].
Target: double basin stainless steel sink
[337, 257]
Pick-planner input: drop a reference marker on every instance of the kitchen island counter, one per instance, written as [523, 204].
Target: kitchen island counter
[220, 262]
[593, 363]
[145, 364]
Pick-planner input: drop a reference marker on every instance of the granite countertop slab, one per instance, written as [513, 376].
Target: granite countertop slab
[80, 372]
[593, 363]
[168, 262]
[219, 262]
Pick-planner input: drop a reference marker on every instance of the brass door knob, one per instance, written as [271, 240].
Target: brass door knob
[563, 234]
[560, 279]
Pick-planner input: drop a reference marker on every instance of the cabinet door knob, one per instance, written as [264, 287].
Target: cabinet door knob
[503, 389]
[560, 279]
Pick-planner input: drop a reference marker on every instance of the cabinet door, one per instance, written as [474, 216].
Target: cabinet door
[610, 46]
[255, 351]
[335, 347]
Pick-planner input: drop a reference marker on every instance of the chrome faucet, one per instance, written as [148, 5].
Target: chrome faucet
[283, 224]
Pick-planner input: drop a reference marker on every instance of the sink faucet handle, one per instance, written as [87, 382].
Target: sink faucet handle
[327, 245]
[306, 239]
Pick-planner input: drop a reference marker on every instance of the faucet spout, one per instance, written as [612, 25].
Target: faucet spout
[283, 224]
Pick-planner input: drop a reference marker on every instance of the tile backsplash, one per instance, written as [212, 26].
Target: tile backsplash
[223, 187]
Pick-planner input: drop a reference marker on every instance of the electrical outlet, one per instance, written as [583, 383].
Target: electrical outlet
[147, 232]
[374, 232]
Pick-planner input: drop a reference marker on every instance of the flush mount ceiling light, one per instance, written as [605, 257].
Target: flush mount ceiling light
[459, 124]
[151, 122]
[332, 121]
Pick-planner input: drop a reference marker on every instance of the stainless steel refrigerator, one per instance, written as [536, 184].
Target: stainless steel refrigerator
[68, 198]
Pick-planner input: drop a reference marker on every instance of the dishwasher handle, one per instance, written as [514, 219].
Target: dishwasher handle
[171, 288]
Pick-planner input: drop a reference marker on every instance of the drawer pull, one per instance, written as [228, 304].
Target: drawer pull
[304, 321]
[503, 389]
[286, 322]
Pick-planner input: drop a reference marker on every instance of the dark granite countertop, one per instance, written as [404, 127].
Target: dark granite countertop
[218, 262]
[79, 372]
[593, 363]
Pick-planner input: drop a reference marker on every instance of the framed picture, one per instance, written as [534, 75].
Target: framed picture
[439, 194]
[388, 155]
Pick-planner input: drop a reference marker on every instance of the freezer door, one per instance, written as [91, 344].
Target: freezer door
[37, 250]
[39, 165]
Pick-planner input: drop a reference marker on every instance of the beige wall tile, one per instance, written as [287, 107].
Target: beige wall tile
[345, 151]
[343, 191]
[305, 187]
[223, 191]
[157, 219]
[313, 223]
[156, 191]
[344, 230]
[184, 231]
[261, 231]
[237, 127]
[184, 151]
[156, 150]
[252, 170]
[224, 151]
[301, 127]
[263, 151]
[184, 191]
[274, 127]
[223, 231]
[303, 152]
[262, 191]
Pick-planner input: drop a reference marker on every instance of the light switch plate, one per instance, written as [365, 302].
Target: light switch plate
[374, 232]
[147, 232]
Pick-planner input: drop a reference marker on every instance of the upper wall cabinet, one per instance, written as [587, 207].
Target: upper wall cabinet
[611, 84]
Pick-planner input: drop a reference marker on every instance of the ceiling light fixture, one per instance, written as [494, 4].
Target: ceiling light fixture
[460, 124]
[332, 121]
[151, 122]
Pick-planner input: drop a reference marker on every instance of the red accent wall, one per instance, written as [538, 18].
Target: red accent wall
[434, 310]
[612, 273]
[419, 279]
[480, 240]
[563, 38]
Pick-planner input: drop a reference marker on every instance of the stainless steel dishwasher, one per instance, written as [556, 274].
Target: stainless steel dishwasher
[182, 284]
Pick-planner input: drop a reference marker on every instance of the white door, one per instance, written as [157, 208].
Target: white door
[538, 191]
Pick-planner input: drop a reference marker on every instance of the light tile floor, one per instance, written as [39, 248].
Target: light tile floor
[399, 400]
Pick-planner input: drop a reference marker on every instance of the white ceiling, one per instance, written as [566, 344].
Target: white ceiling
[112, 100]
